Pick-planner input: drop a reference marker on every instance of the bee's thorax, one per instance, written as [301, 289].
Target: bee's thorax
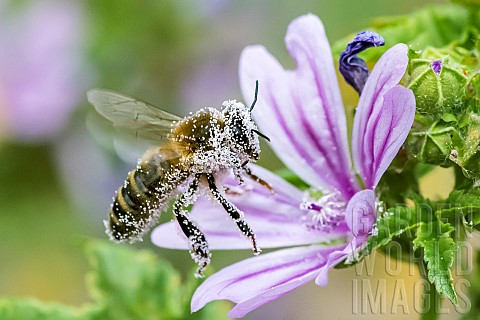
[208, 142]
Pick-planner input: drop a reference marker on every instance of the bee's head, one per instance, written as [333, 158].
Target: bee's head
[239, 130]
[242, 132]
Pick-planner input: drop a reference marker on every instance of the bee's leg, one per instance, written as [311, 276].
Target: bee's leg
[233, 191]
[259, 180]
[233, 211]
[239, 178]
[237, 172]
[199, 246]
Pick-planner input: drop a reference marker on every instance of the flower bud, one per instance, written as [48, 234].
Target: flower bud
[355, 70]
[473, 93]
[438, 87]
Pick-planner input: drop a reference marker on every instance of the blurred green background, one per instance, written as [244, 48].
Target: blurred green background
[57, 179]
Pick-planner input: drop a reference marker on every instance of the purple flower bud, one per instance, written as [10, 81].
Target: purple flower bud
[354, 69]
[436, 66]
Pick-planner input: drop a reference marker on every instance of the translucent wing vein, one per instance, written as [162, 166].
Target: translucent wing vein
[131, 116]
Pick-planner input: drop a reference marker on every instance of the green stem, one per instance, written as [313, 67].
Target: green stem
[434, 299]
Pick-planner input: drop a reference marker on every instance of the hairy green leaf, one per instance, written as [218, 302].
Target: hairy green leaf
[439, 252]
[136, 285]
[124, 284]
[392, 223]
[463, 209]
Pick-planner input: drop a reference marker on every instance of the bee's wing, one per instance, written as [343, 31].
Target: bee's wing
[138, 118]
[139, 125]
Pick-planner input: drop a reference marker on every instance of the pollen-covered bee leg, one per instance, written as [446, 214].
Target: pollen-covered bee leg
[259, 180]
[199, 246]
[233, 211]
[239, 176]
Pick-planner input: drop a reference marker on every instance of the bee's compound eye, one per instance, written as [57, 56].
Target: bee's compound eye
[239, 134]
[237, 131]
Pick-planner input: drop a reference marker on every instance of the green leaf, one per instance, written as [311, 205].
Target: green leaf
[392, 223]
[462, 198]
[448, 117]
[124, 284]
[464, 208]
[133, 284]
[398, 223]
[32, 309]
[439, 251]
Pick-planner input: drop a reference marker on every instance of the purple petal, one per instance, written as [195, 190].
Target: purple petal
[360, 216]
[276, 220]
[258, 280]
[386, 133]
[353, 69]
[335, 258]
[301, 110]
[361, 213]
[437, 66]
[373, 141]
[392, 129]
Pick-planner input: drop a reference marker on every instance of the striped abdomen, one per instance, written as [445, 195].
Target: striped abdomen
[139, 202]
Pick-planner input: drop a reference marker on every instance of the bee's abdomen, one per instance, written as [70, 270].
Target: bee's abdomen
[139, 202]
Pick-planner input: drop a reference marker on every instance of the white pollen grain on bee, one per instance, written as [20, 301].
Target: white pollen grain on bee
[194, 155]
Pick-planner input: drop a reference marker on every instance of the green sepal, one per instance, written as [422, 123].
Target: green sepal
[438, 252]
[467, 155]
[432, 143]
[473, 93]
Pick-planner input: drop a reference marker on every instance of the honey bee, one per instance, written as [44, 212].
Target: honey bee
[187, 156]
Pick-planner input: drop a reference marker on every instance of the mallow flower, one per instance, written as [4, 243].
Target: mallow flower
[301, 110]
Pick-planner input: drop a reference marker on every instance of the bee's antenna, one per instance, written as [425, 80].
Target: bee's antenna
[256, 94]
[261, 135]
